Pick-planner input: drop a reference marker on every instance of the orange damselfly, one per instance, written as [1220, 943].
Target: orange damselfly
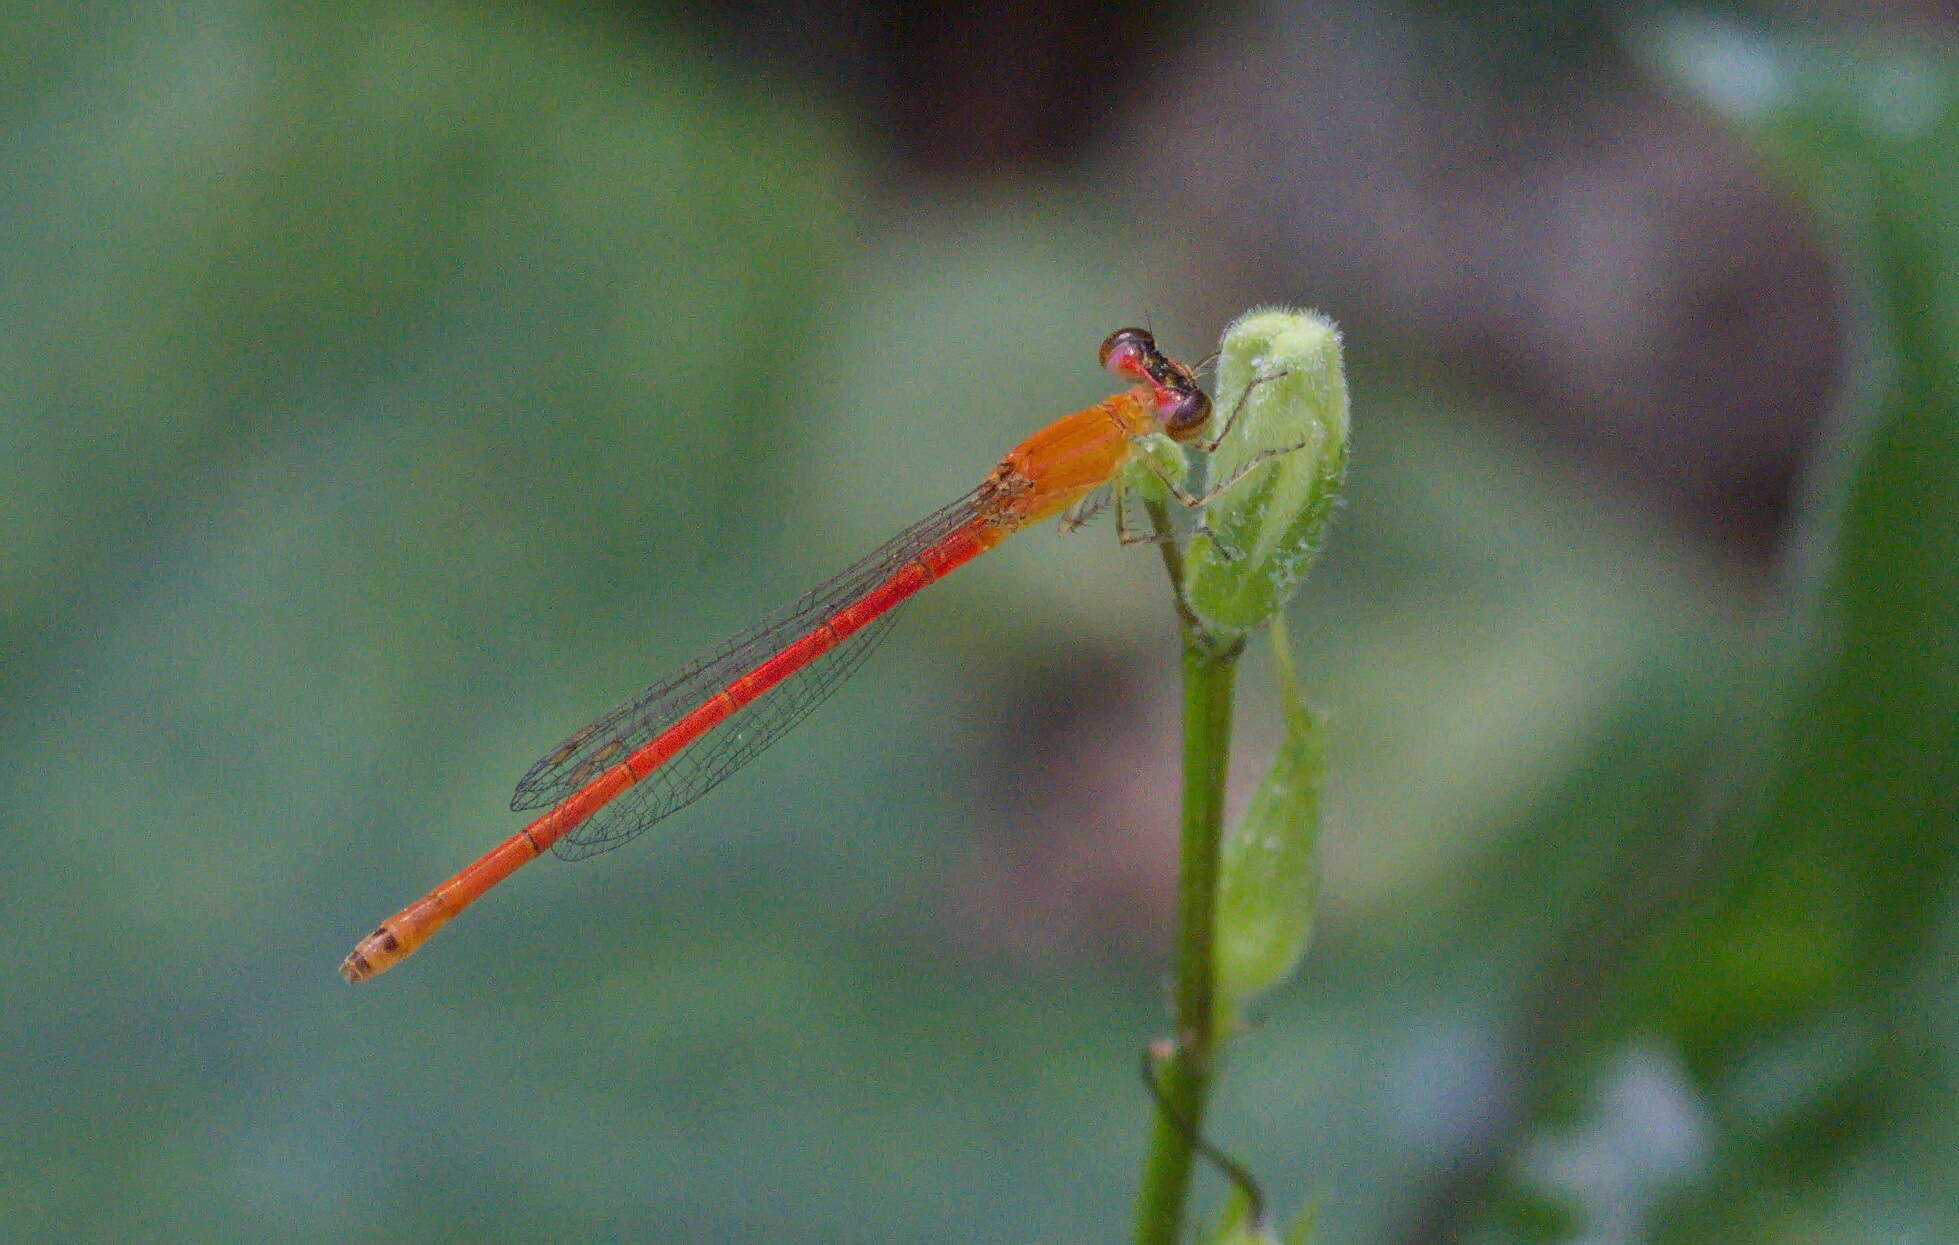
[664, 749]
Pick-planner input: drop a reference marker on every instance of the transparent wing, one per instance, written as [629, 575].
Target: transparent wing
[734, 742]
[731, 744]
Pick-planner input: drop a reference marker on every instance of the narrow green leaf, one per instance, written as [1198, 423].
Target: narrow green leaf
[1859, 794]
[1240, 1233]
[1269, 871]
[1230, 1227]
[1305, 1225]
[1282, 392]
[1234, 1228]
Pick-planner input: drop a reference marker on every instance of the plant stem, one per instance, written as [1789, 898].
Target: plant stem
[1209, 670]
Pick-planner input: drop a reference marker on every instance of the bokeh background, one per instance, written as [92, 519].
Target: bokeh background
[390, 388]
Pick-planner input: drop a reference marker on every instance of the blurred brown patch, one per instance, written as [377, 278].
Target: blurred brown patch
[1082, 851]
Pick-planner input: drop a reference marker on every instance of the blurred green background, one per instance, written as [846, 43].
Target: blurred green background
[388, 389]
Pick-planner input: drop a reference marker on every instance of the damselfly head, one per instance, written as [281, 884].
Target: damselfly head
[1133, 352]
[1180, 405]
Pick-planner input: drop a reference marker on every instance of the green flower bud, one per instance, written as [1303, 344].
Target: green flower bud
[1282, 405]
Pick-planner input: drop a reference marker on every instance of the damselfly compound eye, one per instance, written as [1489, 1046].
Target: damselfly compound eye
[1185, 412]
[1127, 352]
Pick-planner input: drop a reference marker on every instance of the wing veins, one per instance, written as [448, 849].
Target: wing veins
[576, 761]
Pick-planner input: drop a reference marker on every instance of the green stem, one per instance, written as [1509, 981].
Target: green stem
[1209, 670]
